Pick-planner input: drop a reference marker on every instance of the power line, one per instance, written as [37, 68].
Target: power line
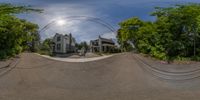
[86, 18]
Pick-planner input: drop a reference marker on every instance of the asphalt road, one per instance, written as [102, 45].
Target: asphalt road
[120, 77]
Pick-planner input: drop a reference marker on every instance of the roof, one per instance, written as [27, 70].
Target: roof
[65, 35]
[104, 40]
[107, 40]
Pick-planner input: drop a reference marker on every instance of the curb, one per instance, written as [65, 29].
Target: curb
[9, 67]
[76, 60]
[178, 76]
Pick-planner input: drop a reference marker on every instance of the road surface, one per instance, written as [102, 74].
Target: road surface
[120, 77]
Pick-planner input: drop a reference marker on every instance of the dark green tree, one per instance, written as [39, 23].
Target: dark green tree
[46, 44]
[15, 33]
[82, 45]
[174, 34]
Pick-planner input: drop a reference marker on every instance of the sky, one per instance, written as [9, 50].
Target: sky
[87, 19]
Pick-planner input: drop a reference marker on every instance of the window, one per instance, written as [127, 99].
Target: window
[58, 38]
[67, 46]
[58, 46]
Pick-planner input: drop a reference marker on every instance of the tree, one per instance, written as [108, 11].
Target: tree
[128, 32]
[14, 32]
[82, 45]
[182, 26]
[174, 34]
[46, 44]
[35, 43]
[6, 9]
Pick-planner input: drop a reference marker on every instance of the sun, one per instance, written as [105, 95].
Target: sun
[60, 22]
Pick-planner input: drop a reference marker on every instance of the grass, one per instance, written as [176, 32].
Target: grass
[44, 52]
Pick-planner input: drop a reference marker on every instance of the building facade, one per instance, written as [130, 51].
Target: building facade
[102, 45]
[64, 43]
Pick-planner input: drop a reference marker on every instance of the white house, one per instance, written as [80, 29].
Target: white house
[102, 45]
[64, 43]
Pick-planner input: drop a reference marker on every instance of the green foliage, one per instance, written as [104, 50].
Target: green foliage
[82, 45]
[128, 32]
[46, 44]
[13, 9]
[175, 33]
[15, 33]
[45, 47]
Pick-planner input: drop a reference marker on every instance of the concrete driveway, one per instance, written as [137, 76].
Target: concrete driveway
[120, 77]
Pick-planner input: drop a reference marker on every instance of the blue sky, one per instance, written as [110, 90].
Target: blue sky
[111, 11]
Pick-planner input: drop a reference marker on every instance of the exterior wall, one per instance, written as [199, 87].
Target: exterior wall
[58, 42]
[65, 42]
[94, 46]
[103, 45]
[62, 47]
[100, 44]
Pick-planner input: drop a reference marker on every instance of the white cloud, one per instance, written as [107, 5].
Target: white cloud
[110, 35]
[80, 28]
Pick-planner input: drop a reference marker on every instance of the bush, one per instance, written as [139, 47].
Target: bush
[196, 58]
[157, 54]
[3, 54]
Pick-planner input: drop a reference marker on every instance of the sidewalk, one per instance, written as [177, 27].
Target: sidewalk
[77, 58]
[76, 55]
